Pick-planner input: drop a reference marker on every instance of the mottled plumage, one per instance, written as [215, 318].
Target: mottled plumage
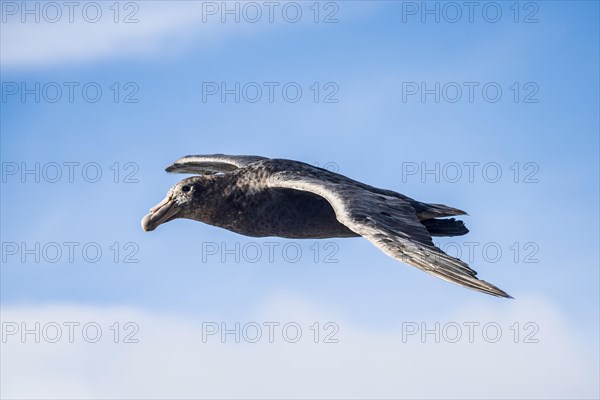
[257, 196]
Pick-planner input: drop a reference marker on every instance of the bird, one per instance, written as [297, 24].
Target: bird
[259, 197]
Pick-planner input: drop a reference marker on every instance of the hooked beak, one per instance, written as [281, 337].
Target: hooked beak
[160, 213]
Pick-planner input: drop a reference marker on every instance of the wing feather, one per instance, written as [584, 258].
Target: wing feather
[211, 163]
[388, 222]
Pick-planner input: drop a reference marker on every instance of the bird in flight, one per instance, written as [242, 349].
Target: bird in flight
[257, 196]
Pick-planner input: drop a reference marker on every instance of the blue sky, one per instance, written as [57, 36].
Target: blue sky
[371, 134]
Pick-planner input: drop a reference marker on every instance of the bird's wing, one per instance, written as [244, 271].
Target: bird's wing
[388, 222]
[211, 163]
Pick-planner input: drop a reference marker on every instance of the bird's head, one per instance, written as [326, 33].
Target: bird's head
[182, 201]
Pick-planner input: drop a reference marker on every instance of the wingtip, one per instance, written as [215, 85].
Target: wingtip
[498, 292]
[174, 167]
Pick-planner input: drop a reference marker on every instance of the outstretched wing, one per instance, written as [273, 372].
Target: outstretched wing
[211, 164]
[388, 222]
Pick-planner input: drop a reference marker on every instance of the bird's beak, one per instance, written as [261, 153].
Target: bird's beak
[160, 213]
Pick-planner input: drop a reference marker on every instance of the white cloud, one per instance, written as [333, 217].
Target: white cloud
[57, 33]
[171, 360]
[160, 27]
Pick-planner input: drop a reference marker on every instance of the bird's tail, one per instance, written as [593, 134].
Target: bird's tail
[445, 227]
[429, 210]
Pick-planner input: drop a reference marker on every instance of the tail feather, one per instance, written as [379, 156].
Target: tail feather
[445, 227]
[428, 210]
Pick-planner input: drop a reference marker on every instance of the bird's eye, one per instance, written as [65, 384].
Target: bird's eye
[185, 188]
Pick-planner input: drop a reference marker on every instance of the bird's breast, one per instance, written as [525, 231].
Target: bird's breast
[279, 212]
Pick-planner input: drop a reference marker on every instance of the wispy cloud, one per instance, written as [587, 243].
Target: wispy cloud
[175, 357]
[40, 34]
[33, 35]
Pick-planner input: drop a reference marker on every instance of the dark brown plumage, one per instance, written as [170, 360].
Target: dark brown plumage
[257, 196]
